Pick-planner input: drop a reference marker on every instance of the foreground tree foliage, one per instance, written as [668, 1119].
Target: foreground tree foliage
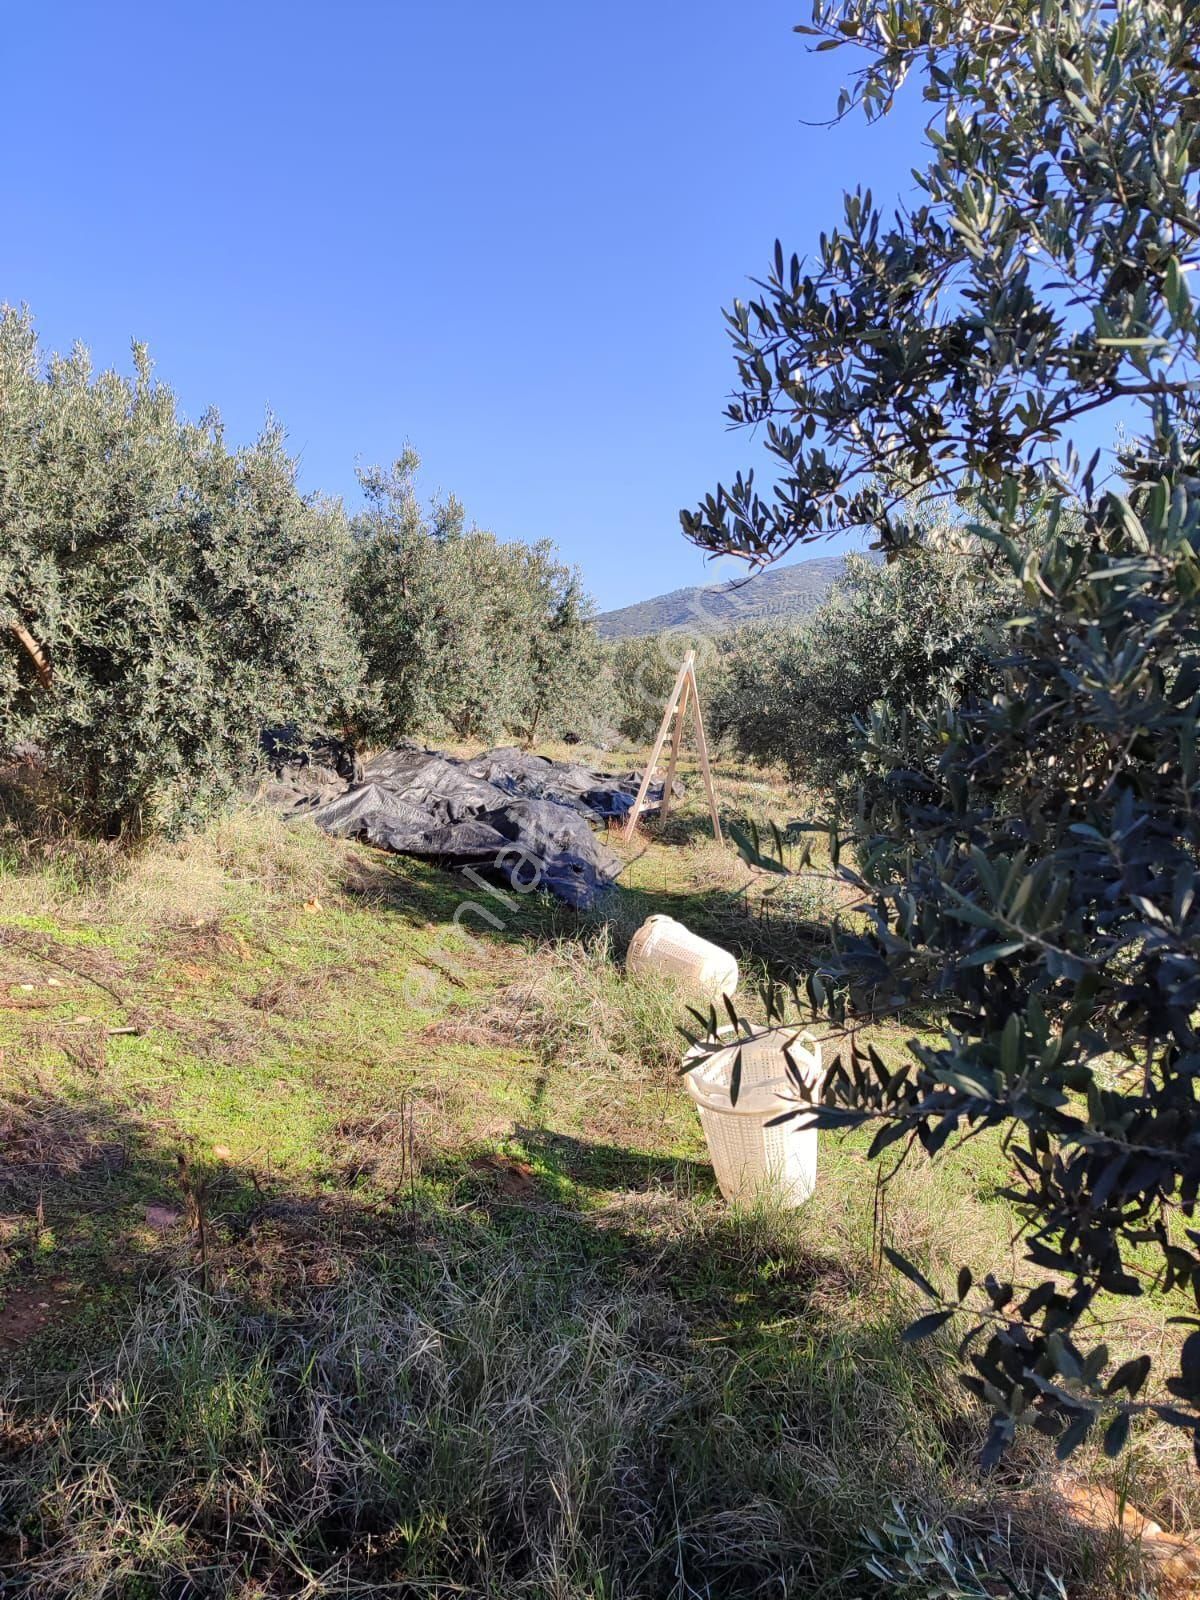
[1041, 877]
[162, 596]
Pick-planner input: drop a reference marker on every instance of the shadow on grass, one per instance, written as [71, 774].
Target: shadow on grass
[461, 1386]
[766, 944]
[678, 828]
[775, 946]
[423, 893]
[606, 1166]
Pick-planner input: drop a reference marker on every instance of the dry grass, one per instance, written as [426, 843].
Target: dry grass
[485, 1412]
[250, 860]
[596, 1017]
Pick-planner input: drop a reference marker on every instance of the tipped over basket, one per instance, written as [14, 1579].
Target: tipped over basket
[663, 945]
[751, 1160]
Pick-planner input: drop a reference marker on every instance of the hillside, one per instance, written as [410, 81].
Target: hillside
[779, 592]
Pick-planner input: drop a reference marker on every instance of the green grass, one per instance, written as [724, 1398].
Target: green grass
[469, 1315]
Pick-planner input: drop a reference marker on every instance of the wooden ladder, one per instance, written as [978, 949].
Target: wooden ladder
[684, 696]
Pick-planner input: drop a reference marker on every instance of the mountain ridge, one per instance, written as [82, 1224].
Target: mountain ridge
[779, 594]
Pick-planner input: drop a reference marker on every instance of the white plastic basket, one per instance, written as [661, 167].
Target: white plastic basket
[751, 1160]
[663, 945]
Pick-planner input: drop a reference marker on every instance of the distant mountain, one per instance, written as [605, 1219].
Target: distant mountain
[778, 594]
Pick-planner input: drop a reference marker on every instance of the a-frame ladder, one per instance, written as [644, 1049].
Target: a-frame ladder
[684, 697]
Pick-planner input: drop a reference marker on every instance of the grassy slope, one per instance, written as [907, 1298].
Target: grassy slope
[469, 1311]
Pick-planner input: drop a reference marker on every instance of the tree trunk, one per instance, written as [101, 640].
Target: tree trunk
[41, 661]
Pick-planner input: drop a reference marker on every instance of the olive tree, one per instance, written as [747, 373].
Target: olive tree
[897, 640]
[1040, 879]
[413, 618]
[459, 629]
[162, 595]
[562, 682]
[641, 670]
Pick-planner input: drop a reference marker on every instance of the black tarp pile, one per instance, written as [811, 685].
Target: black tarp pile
[518, 818]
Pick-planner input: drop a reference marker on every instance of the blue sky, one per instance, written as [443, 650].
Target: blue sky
[503, 233]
